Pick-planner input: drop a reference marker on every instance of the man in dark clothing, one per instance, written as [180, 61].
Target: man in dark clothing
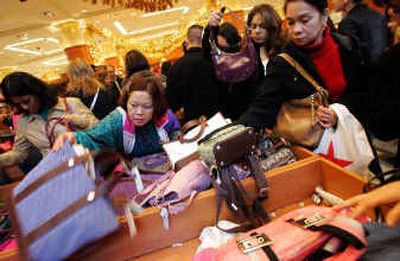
[191, 82]
[369, 26]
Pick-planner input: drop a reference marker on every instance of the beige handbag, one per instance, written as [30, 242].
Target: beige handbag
[296, 121]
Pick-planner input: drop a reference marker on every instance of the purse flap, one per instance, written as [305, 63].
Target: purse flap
[234, 147]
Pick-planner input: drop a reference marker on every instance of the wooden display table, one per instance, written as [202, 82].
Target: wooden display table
[290, 186]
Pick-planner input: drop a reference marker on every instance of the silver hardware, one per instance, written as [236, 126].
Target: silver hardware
[306, 222]
[90, 196]
[253, 242]
[218, 147]
[71, 162]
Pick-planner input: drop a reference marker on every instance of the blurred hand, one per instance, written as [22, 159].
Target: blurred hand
[327, 117]
[215, 18]
[387, 194]
[59, 142]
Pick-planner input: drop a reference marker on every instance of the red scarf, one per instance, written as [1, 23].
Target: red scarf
[326, 58]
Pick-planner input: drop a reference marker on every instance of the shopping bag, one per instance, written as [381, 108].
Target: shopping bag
[347, 145]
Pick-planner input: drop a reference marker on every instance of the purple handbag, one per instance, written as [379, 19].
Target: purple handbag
[234, 67]
[58, 209]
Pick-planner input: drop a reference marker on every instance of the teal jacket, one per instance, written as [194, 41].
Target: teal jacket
[116, 131]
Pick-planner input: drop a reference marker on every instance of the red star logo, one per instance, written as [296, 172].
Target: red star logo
[331, 156]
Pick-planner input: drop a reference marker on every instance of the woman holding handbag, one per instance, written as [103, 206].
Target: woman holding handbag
[265, 38]
[44, 115]
[314, 61]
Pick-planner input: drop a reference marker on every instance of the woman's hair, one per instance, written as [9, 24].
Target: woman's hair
[21, 83]
[101, 73]
[82, 77]
[230, 33]
[148, 82]
[321, 5]
[135, 61]
[273, 23]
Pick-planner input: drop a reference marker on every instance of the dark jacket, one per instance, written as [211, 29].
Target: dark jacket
[107, 100]
[385, 95]
[368, 26]
[283, 82]
[191, 84]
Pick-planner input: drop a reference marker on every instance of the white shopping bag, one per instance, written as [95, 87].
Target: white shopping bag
[347, 145]
[177, 150]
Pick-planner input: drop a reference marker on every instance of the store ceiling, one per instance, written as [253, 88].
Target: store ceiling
[28, 42]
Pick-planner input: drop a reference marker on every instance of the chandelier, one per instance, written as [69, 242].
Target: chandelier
[143, 5]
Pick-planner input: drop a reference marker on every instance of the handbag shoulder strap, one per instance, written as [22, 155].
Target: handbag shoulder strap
[301, 70]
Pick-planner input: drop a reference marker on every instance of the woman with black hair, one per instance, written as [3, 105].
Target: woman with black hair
[43, 115]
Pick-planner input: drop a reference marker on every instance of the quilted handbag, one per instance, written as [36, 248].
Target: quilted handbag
[226, 145]
[57, 209]
[312, 232]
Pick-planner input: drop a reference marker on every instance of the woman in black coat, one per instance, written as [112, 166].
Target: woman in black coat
[334, 61]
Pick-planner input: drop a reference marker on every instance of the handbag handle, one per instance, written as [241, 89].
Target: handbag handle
[304, 73]
[202, 121]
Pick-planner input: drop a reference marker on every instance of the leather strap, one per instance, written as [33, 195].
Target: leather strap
[268, 251]
[50, 175]
[260, 180]
[202, 121]
[61, 216]
[303, 72]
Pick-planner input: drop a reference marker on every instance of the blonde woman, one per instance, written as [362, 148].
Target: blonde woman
[84, 85]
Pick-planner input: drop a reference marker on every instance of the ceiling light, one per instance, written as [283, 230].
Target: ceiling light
[15, 47]
[152, 36]
[123, 31]
[183, 9]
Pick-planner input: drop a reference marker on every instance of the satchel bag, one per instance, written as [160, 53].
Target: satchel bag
[58, 209]
[311, 233]
[296, 120]
[219, 150]
[234, 67]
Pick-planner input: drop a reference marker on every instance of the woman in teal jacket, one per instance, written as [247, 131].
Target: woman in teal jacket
[138, 127]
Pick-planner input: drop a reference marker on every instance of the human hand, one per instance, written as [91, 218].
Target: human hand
[59, 142]
[215, 18]
[327, 117]
[384, 195]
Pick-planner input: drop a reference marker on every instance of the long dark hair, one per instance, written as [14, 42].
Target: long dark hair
[22, 83]
[273, 22]
[135, 61]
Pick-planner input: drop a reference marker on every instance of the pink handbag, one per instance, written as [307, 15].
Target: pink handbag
[311, 232]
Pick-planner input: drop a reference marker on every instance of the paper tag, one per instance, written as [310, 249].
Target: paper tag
[138, 179]
[165, 217]
[131, 221]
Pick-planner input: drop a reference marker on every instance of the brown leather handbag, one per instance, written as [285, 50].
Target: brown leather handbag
[296, 121]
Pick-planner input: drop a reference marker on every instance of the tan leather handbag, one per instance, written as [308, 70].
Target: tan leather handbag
[296, 121]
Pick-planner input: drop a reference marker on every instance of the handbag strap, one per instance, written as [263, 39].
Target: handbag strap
[303, 72]
[202, 122]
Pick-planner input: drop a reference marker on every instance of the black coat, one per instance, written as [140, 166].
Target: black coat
[368, 26]
[283, 82]
[191, 84]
